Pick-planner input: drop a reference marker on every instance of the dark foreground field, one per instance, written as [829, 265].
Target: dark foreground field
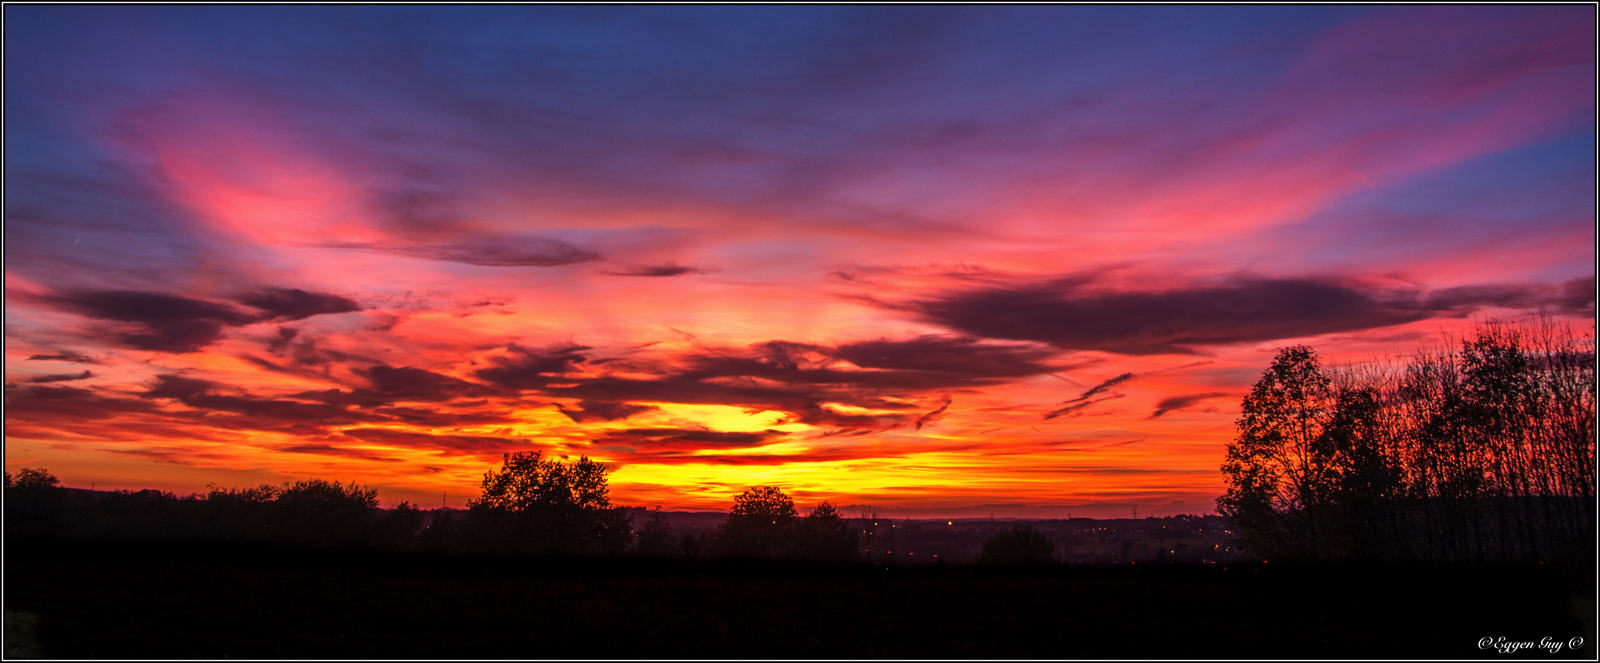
[165, 601]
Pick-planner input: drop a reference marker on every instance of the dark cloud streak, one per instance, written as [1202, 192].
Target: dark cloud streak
[663, 270]
[487, 252]
[687, 439]
[1181, 402]
[1103, 386]
[1069, 314]
[603, 411]
[415, 384]
[933, 416]
[290, 304]
[61, 377]
[1077, 407]
[266, 413]
[169, 323]
[1577, 297]
[450, 444]
[522, 368]
[71, 357]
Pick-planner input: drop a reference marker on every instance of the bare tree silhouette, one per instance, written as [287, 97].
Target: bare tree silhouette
[877, 534]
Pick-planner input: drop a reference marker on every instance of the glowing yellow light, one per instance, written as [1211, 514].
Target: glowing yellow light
[842, 408]
[726, 418]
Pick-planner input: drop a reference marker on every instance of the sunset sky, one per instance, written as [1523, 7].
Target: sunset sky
[948, 261]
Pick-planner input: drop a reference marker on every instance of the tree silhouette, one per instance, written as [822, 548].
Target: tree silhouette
[1020, 545]
[1367, 476]
[759, 526]
[824, 536]
[533, 505]
[1484, 451]
[1278, 467]
[35, 504]
[876, 534]
[691, 545]
[398, 528]
[29, 478]
[442, 534]
[526, 482]
[655, 538]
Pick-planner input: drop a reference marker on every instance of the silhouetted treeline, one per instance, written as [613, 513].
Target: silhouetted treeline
[530, 506]
[313, 512]
[1481, 452]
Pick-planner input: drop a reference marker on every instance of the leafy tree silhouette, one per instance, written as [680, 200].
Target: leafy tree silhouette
[29, 478]
[759, 526]
[691, 546]
[655, 538]
[533, 505]
[824, 536]
[35, 504]
[1021, 545]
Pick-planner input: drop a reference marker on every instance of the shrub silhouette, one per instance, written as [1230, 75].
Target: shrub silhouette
[143, 514]
[322, 513]
[1022, 545]
[238, 513]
